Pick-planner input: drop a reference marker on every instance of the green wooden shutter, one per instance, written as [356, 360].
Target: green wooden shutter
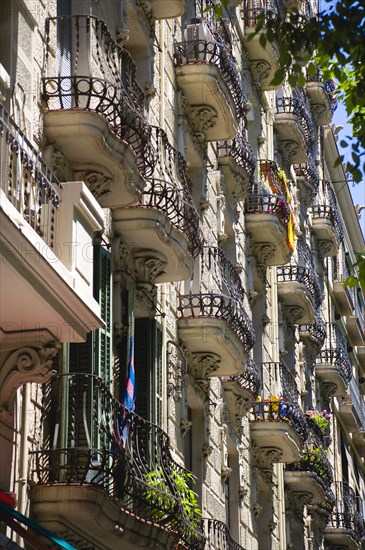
[92, 357]
[148, 368]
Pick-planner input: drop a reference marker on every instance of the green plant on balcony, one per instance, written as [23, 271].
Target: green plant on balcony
[322, 419]
[163, 503]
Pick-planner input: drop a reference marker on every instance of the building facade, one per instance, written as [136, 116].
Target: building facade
[181, 364]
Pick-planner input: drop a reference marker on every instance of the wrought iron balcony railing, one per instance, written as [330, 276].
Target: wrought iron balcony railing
[169, 190]
[329, 86]
[252, 9]
[210, 52]
[93, 73]
[348, 511]
[309, 172]
[217, 535]
[295, 106]
[357, 403]
[334, 351]
[330, 213]
[94, 440]
[270, 204]
[241, 151]
[221, 296]
[315, 331]
[279, 398]
[303, 275]
[314, 459]
[250, 380]
[27, 182]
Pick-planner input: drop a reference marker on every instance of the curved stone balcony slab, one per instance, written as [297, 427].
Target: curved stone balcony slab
[309, 482]
[294, 129]
[264, 60]
[237, 161]
[328, 228]
[97, 155]
[168, 9]
[300, 292]
[165, 223]
[280, 437]
[209, 78]
[332, 376]
[266, 218]
[320, 102]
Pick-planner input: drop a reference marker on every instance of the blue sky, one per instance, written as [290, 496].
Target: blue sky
[357, 190]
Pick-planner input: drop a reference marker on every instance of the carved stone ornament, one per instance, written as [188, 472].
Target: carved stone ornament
[292, 314]
[97, 182]
[328, 389]
[289, 148]
[318, 111]
[206, 450]
[296, 502]
[59, 165]
[225, 473]
[148, 267]
[242, 492]
[202, 118]
[185, 426]
[122, 36]
[204, 364]
[76, 541]
[27, 364]
[325, 247]
[261, 68]
[264, 252]
[263, 460]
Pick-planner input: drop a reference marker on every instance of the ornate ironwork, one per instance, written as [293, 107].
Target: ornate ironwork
[213, 53]
[27, 182]
[283, 411]
[100, 442]
[169, 190]
[346, 514]
[253, 9]
[309, 172]
[108, 87]
[241, 151]
[270, 204]
[218, 535]
[250, 380]
[334, 352]
[330, 213]
[221, 295]
[303, 275]
[315, 331]
[280, 398]
[298, 108]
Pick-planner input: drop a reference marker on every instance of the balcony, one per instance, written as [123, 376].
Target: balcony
[333, 366]
[237, 161]
[212, 317]
[264, 60]
[355, 324]
[165, 223]
[351, 408]
[307, 173]
[313, 473]
[209, 77]
[299, 290]
[346, 523]
[323, 102]
[109, 464]
[344, 296]
[36, 277]
[94, 109]
[294, 129]
[267, 216]
[168, 9]
[277, 420]
[217, 535]
[313, 336]
[327, 226]
[246, 386]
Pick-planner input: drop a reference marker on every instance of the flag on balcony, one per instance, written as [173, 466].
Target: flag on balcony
[129, 392]
[124, 418]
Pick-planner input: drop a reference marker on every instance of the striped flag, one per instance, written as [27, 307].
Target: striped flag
[129, 392]
[123, 421]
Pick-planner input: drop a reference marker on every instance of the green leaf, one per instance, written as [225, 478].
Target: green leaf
[263, 40]
[351, 282]
[301, 80]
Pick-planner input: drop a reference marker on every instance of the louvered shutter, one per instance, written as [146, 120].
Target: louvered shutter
[148, 367]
